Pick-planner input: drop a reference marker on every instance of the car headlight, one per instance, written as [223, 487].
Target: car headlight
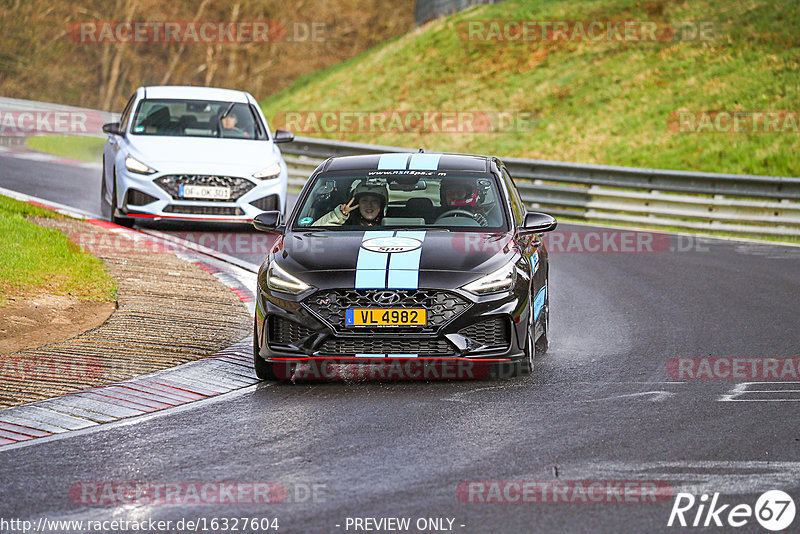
[279, 280]
[134, 165]
[270, 172]
[500, 280]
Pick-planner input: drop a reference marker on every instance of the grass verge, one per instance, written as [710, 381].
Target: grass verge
[35, 260]
[605, 102]
[77, 147]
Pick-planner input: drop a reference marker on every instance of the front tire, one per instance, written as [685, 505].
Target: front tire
[122, 221]
[542, 343]
[264, 370]
[520, 367]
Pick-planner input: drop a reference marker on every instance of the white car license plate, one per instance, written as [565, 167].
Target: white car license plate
[205, 191]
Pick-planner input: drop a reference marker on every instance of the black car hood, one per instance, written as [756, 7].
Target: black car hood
[461, 254]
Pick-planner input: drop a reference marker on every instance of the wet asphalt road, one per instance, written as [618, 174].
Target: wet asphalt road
[600, 406]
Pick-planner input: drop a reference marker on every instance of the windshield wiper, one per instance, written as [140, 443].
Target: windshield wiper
[417, 228]
[219, 120]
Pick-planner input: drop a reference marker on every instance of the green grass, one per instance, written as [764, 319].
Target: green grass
[35, 260]
[77, 147]
[594, 102]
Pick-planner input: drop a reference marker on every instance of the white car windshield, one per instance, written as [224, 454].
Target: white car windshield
[197, 118]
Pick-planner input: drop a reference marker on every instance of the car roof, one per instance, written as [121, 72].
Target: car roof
[409, 161]
[196, 93]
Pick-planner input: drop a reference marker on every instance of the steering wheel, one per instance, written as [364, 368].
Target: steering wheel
[455, 212]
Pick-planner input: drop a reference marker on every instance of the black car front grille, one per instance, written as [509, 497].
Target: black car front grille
[492, 333]
[171, 183]
[442, 307]
[376, 345]
[204, 210]
[284, 332]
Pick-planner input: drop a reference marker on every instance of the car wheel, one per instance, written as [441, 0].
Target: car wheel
[122, 221]
[264, 370]
[542, 343]
[526, 365]
[105, 206]
[520, 367]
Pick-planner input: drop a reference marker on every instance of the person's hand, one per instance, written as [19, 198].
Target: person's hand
[347, 208]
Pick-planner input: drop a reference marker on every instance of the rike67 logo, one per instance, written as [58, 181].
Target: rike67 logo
[774, 510]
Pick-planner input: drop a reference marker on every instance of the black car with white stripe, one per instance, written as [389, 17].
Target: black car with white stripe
[404, 257]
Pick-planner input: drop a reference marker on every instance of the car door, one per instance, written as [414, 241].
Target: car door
[530, 244]
[114, 144]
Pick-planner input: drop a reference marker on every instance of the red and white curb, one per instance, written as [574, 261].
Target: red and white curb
[227, 370]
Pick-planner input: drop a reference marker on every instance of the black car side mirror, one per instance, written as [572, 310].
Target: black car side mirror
[112, 128]
[267, 221]
[536, 222]
[283, 136]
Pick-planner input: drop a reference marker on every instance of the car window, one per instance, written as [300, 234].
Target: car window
[517, 206]
[197, 118]
[126, 113]
[458, 199]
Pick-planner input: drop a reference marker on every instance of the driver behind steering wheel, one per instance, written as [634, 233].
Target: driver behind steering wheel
[463, 194]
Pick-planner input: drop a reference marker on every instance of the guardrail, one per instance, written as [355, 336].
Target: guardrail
[742, 204]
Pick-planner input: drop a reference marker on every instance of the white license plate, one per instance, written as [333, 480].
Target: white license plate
[205, 191]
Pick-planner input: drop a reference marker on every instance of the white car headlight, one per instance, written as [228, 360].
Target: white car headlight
[280, 280]
[270, 172]
[500, 280]
[134, 165]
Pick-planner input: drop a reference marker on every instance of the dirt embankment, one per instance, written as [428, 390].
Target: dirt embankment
[35, 321]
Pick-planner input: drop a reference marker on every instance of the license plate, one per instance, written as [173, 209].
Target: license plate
[385, 317]
[205, 191]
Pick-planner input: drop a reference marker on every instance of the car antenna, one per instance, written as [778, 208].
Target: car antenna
[420, 151]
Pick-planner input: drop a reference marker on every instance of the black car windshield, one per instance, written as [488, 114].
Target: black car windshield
[196, 118]
[456, 200]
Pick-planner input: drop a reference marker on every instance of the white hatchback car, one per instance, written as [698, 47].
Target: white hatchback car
[192, 153]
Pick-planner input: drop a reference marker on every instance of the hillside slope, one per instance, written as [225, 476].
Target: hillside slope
[602, 101]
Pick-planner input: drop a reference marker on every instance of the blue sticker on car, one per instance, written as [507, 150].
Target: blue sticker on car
[404, 266]
[393, 162]
[538, 302]
[304, 221]
[424, 162]
[370, 265]
[392, 270]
